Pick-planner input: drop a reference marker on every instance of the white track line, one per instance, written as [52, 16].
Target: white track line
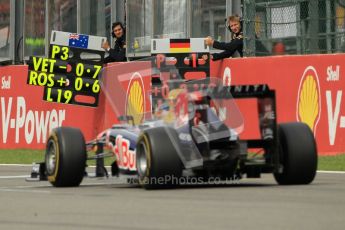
[334, 172]
[13, 177]
[23, 190]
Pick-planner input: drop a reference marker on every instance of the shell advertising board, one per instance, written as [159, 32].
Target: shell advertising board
[309, 89]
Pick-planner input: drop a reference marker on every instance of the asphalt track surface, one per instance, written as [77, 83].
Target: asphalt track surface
[113, 204]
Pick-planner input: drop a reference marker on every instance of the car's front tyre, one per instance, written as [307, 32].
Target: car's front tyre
[157, 160]
[65, 157]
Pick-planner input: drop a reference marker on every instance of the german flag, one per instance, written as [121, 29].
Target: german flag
[180, 46]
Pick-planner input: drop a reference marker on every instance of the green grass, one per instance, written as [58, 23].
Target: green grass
[332, 163]
[21, 156]
[26, 156]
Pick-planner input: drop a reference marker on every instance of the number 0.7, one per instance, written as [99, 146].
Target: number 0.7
[80, 70]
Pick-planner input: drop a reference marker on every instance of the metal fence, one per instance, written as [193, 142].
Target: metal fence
[275, 27]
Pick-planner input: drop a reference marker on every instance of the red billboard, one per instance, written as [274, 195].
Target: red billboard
[26, 119]
[308, 89]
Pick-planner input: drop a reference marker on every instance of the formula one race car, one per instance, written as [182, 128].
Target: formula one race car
[189, 133]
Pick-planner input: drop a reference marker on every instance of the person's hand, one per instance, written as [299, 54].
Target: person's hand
[106, 45]
[209, 41]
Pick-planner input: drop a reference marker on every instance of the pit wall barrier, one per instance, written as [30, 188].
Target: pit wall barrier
[308, 88]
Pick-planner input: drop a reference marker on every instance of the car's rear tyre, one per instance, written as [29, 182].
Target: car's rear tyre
[298, 154]
[157, 160]
[65, 157]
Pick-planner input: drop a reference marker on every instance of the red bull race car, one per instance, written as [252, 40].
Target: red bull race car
[190, 132]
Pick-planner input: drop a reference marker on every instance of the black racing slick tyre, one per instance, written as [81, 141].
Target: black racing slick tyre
[65, 157]
[157, 160]
[298, 154]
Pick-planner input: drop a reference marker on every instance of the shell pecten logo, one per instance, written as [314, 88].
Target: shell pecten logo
[309, 99]
[135, 102]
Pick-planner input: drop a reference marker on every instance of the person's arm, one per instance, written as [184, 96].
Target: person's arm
[230, 48]
[116, 54]
[235, 44]
[219, 56]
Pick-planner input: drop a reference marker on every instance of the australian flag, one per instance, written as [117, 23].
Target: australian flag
[78, 40]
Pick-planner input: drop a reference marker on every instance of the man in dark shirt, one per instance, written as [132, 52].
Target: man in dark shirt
[118, 53]
[236, 44]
